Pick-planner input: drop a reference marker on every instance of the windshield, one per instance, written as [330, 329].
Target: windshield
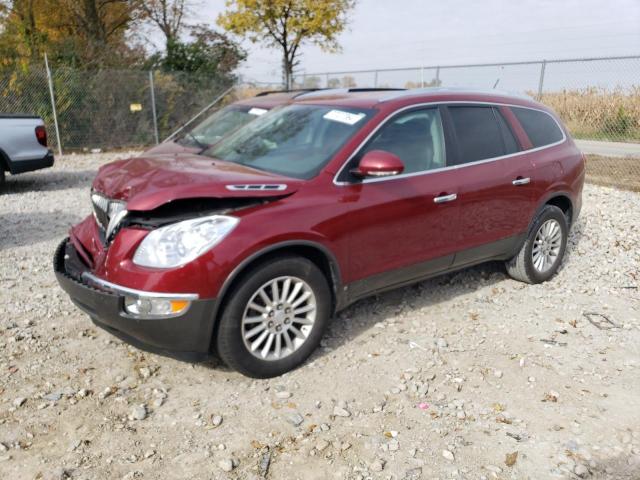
[295, 141]
[216, 126]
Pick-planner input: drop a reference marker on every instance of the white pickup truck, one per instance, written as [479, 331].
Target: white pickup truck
[23, 145]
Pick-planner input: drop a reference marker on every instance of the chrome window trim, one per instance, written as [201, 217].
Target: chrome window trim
[112, 287]
[451, 167]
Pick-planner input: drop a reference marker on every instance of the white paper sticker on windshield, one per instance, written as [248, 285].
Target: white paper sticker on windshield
[257, 111]
[344, 117]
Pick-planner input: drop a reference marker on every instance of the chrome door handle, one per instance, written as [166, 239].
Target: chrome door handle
[521, 181]
[445, 198]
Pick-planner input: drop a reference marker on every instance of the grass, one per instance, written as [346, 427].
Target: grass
[599, 114]
[616, 172]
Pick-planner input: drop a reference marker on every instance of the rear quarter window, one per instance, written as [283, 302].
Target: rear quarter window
[539, 126]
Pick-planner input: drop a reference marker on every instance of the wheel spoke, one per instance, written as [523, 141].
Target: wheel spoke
[303, 321]
[257, 308]
[274, 291]
[285, 289]
[259, 340]
[265, 298]
[288, 342]
[255, 330]
[296, 332]
[278, 347]
[253, 319]
[267, 345]
[305, 309]
[296, 288]
[301, 299]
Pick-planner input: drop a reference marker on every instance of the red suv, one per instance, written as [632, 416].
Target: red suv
[248, 249]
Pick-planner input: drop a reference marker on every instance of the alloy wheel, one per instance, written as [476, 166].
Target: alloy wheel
[546, 246]
[278, 318]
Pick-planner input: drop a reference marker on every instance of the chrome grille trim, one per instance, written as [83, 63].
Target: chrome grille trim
[108, 213]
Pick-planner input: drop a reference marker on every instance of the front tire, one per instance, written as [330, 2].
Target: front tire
[541, 254]
[275, 317]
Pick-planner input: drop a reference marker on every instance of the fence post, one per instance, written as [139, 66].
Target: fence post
[327, 75]
[543, 66]
[53, 104]
[153, 107]
[421, 77]
[437, 84]
[375, 79]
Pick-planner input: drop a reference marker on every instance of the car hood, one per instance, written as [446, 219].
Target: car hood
[148, 182]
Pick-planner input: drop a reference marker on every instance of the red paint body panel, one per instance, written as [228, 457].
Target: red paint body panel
[146, 183]
[369, 228]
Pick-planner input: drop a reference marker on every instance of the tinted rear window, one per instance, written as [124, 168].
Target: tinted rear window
[540, 127]
[478, 133]
[510, 143]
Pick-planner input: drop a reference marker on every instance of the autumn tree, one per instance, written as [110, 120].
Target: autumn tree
[288, 24]
[80, 33]
[168, 16]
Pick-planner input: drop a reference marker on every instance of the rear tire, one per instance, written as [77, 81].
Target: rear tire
[266, 300]
[541, 254]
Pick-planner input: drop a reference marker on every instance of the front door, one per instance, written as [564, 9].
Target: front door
[402, 227]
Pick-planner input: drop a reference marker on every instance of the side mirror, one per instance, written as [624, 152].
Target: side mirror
[378, 163]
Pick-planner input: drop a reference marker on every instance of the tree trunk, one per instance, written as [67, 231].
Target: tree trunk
[287, 70]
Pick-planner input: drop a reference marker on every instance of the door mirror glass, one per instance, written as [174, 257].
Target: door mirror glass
[378, 163]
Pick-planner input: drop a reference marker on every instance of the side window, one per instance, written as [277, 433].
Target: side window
[478, 133]
[510, 143]
[540, 127]
[416, 137]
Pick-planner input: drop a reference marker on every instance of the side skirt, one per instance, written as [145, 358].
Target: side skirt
[382, 282]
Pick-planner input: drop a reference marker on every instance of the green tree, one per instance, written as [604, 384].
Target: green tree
[208, 52]
[288, 24]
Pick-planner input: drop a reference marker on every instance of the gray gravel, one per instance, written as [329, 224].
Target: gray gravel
[468, 376]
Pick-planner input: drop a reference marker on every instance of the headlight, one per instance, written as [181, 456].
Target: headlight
[180, 243]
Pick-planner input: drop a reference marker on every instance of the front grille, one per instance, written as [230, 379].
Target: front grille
[104, 210]
[101, 209]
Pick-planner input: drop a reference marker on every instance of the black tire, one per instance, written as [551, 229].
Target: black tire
[229, 341]
[2, 175]
[521, 266]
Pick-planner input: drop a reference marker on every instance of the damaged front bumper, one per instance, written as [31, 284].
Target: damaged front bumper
[185, 335]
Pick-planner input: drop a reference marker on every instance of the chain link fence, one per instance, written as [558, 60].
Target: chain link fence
[107, 109]
[597, 98]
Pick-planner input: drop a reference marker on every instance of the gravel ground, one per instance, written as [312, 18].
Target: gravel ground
[469, 376]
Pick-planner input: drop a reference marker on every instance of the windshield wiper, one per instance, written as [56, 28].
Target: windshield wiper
[201, 145]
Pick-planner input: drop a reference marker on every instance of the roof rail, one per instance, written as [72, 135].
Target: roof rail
[295, 90]
[376, 89]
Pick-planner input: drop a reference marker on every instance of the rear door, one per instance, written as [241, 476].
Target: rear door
[494, 190]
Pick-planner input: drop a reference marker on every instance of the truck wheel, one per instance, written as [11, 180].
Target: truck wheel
[275, 317]
[542, 252]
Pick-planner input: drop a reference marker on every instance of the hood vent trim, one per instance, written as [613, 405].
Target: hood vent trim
[252, 187]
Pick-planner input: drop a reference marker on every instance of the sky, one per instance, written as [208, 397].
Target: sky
[411, 33]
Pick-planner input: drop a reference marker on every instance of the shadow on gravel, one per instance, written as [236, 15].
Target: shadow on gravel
[23, 229]
[47, 181]
[365, 313]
